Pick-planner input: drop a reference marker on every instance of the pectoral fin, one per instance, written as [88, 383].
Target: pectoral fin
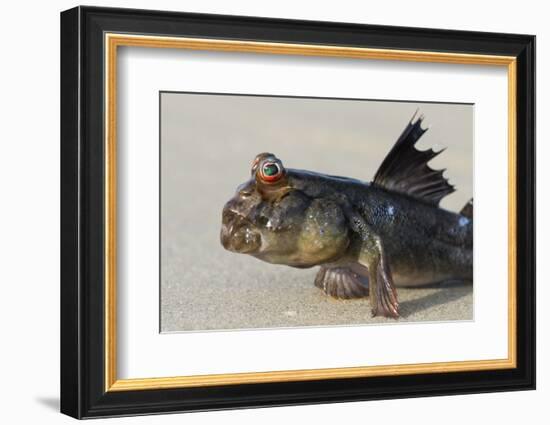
[341, 282]
[382, 292]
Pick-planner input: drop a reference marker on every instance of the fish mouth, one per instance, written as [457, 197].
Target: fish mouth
[238, 234]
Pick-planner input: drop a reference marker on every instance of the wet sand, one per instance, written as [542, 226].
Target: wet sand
[207, 147]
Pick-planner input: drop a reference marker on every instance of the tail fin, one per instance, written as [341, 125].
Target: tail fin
[468, 209]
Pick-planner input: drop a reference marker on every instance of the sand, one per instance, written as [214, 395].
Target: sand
[249, 296]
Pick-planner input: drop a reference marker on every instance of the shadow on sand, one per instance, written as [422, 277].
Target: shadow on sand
[445, 293]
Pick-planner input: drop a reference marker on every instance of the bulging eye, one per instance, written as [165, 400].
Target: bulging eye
[271, 172]
[259, 158]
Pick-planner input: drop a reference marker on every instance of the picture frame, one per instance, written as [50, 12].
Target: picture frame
[91, 37]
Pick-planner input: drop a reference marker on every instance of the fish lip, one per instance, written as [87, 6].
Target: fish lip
[231, 236]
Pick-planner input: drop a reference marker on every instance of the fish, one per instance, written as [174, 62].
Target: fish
[368, 238]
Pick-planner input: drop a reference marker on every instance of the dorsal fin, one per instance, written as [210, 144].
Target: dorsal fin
[468, 209]
[405, 169]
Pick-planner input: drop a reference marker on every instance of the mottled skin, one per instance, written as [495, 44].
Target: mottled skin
[352, 229]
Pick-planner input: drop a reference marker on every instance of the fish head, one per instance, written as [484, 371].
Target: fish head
[271, 219]
[265, 214]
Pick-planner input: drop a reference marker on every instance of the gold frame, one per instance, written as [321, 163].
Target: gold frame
[113, 41]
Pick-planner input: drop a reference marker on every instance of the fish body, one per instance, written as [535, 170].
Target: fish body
[367, 238]
[424, 244]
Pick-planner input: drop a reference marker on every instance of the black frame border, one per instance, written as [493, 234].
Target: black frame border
[82, 205]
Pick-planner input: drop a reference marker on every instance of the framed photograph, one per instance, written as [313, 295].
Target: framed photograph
[261, 212]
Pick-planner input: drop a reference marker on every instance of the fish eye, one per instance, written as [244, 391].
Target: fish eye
[271, 171]
[260, 157]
